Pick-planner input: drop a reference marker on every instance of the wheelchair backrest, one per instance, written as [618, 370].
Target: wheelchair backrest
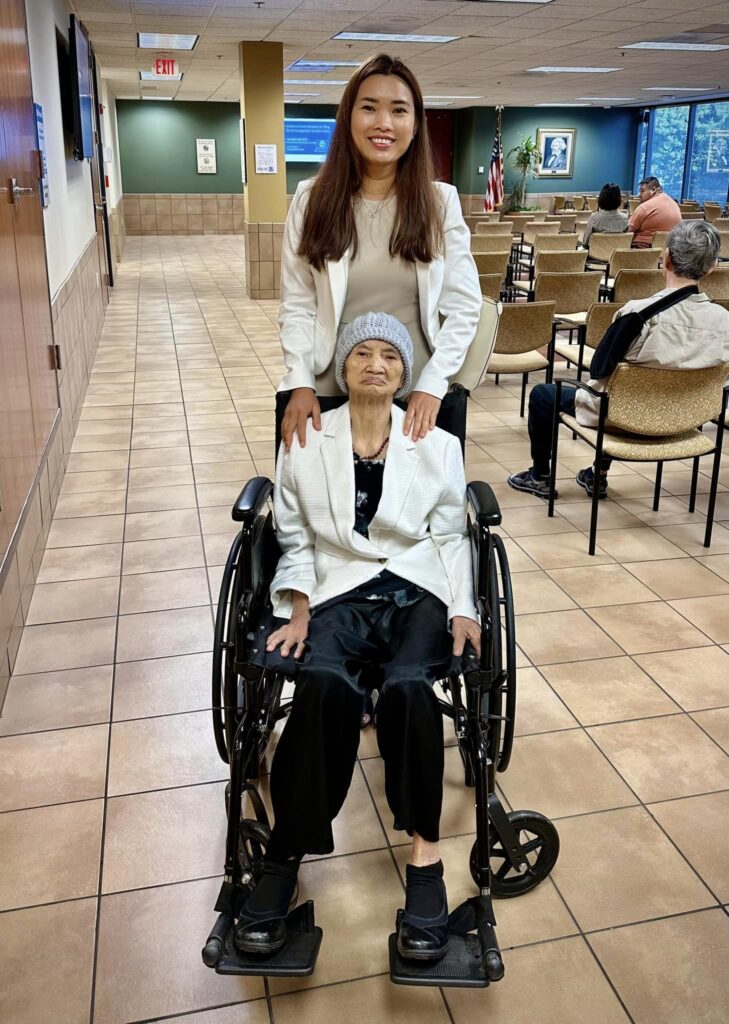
[451, 416]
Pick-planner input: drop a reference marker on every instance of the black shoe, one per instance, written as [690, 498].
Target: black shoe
[261, 926]
[423, 938]
[532, 484]
[586, 478]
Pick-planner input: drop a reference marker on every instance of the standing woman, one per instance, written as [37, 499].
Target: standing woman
[374, 231]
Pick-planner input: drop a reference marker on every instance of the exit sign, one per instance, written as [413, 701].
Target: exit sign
[164, 67]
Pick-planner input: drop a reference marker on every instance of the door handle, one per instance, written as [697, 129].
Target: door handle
[16, 190]
[99, 207]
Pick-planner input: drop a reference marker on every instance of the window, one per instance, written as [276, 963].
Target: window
[642, 149]
[708, 172]
[668, 150]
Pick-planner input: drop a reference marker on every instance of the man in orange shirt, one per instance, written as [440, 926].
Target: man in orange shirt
[657, 212]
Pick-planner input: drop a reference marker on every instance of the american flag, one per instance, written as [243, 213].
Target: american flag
[495, 184]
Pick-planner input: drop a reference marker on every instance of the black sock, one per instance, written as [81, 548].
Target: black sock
[272, 894]
[424, 890]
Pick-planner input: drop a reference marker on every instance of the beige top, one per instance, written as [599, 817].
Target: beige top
[379, 283]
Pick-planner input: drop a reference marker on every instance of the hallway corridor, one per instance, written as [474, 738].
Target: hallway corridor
[111, 789]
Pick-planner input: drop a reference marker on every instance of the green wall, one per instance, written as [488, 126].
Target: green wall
[604, 146]
[157, 146]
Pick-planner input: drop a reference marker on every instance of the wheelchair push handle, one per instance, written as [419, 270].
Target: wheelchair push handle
[251, 499]
[484, 504]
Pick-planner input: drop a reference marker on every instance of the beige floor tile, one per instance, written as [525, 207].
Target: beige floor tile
[82, 562]
[361, 1002]
[691, 538]
[592, 586]
[718, 564]
[559, 981]
[146, 556]
[218, 520]
[647, 753]
[90, 530]
[170, 835]
[550, 637]
[221, 472]
[539, 707]
[672, 579]
[716, 723]
[159, 458]
[253, 1012]
[562, 551]
[612, 516]
[81, 483]
[532, 522]
[635, 871]
[57, 700]
[97, 461]
[31, 951]
[160, 753]
[66, 645]
[339, 881]
[220, 453]
[182, 522]
[77, 599]
[607, 690]
[160, 499]
[696, 678]
[562, 773]
[158, 438]
[164, 686]
[697, 825]
[709, 614]
[164, 634]
[52, 767]
[154, 591]
[672, 511]
[645, 628]
[671, 971]
[637, 545]
[535, 592]
[170, 476]
[140, 978]
[38, 871]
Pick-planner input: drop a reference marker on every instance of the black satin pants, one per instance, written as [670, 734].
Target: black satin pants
[357, 644]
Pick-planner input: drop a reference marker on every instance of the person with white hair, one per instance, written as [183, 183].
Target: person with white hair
[558, 155]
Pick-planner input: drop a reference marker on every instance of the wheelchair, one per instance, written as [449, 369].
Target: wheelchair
[513, 851]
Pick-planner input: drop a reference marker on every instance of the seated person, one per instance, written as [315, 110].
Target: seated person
[657, 212]
[376, 567]
[607, 217]
[691, 335]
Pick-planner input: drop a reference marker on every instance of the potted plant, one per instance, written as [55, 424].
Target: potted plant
[526, 159]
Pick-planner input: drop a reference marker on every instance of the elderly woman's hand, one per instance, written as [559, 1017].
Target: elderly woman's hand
[463, 630]
[292, 636]
[302, 404]
[421, 415]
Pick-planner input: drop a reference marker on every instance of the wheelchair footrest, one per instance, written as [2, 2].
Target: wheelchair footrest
[297, 958]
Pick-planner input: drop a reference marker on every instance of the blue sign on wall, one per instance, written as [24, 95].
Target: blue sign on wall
[306, 140]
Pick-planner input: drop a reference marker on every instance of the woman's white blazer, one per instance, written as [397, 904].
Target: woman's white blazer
[312, 301]
[418, 532]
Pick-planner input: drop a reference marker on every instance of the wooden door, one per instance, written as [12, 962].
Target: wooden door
[440, 130]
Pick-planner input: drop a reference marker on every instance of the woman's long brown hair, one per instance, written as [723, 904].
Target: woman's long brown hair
[329, 229]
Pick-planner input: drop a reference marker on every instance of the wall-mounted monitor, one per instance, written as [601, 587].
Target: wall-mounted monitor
[307, 139]
[83, 114]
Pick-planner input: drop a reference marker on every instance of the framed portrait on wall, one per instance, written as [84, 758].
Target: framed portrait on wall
[557, 146]
[717, 157]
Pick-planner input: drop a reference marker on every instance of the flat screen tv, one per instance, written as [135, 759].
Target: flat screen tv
[83, 114]
[306, 139]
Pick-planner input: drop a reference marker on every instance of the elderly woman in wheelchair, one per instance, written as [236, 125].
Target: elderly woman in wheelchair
[374, 578]
[376, 568]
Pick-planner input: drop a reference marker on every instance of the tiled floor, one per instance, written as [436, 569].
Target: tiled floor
[111, 790]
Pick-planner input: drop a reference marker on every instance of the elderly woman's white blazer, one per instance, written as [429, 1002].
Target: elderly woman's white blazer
[312, 301]
[418, 532]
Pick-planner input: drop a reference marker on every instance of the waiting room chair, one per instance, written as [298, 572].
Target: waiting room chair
[724, 250]
[688, 206]
[599, 317]
[491, 285]
[523, 329]
[493, 227]
[602, 245]
[566, 221]
[716, 284]
[659, 240]
[517, 221]
[573, 294]
[491, 243]
[629, 259]
[592, 204]
[491, 262]
[636, 284]
[647, 414]
[692, 215]
[721, 223]
[712, 211]
[548, 261]
[558, 204]
[633, 205]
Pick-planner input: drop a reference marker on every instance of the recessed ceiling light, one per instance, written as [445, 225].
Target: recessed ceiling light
[438, 103]
[393, 37]
[319, 65]
[314, 81]
[678, 88]
[675, 46]
[149, 76]
[298, 95]
[607, 99]
[164, 41]
[452, 97]
[546, 70]
[157, 98]
[561, 104]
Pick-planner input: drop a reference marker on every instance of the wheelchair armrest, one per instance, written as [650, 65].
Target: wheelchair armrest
[484, 504]
[251, 499]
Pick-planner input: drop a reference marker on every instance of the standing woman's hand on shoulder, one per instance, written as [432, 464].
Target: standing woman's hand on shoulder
[421, 415]
[302, 405]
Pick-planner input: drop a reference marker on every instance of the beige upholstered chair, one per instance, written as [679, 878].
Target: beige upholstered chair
[602, 245]
[648, 414]
[630, 259]
[517, 221]
[491, 243]
[548, 261]
[716, 284]
[688, 206]
[724, 251]
[633, 205]
[491, 285]
[523, 328]
[659, 240]
[573, 294]
[599, 317]
[721, 223]
[592, 204]
[712, 211]
[692, 214]
[558, 204]
[536, 227]
[491, 262]
[493, 227]
[566, 221]
[473, 371]
[637, 284]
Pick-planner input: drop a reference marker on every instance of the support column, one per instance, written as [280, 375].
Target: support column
[265, 206]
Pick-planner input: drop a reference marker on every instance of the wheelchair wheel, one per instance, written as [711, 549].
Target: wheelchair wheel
[507, 650]
[540, 840]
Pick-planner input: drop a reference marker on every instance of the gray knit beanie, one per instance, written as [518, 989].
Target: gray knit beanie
[370, 327]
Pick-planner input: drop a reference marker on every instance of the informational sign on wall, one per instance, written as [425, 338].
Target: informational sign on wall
[266, 159]
[40, 135]
[206, 161]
